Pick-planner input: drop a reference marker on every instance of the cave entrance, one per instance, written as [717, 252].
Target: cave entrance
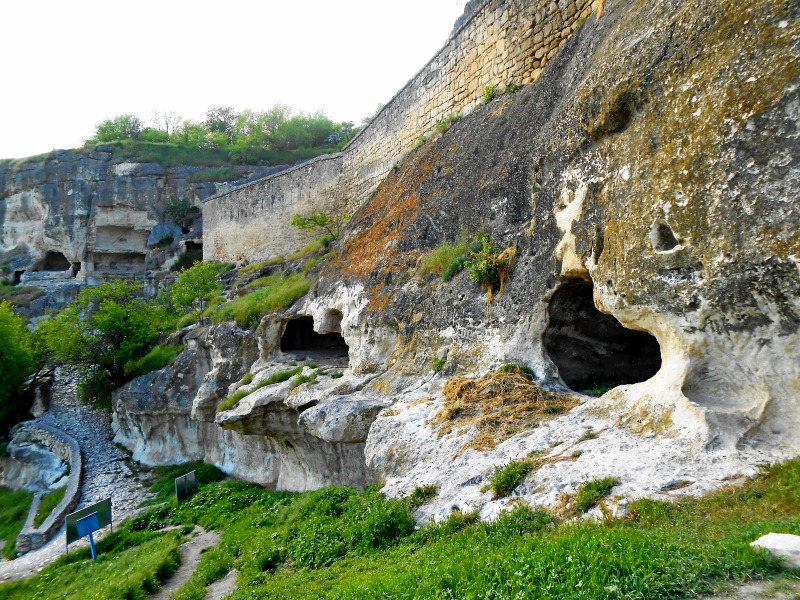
[53, 261]
[301, 341]
[592, 350]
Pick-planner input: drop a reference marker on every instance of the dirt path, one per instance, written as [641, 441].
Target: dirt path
[779, 588]
[190, 556]
[222, 588]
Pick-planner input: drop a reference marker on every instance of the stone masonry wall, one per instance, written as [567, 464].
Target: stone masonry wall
[503, 42]
[67, 449]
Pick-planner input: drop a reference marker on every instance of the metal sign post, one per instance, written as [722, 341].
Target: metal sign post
[185, 485]
[88, 520]
[87, 526]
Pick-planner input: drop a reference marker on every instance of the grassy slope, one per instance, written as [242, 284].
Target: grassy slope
[14, 506]
[337, 543]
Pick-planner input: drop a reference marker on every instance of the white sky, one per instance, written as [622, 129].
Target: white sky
[69, 65]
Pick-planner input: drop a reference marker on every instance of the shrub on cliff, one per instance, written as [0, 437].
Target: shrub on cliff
[20, 357]
[196, 285]
[101, 331]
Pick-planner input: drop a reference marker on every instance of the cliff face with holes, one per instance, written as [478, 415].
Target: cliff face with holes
[645, 189]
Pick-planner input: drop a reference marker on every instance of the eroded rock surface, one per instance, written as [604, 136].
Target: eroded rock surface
[646, 185]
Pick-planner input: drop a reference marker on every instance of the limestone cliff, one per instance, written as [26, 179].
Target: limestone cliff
[646, 185]
[89, 215]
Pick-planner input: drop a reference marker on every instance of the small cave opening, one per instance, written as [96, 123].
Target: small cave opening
[662, 237]
[300, 340]
[18, 277]
[592, 350]
[53, 261]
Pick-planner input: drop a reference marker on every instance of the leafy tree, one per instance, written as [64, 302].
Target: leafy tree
[221, 120]
[20, 357]
[124, 127]
[321, 222]
[195, 284]
[179, 211]
[102, 330]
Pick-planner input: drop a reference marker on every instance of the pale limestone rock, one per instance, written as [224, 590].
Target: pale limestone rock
[781, 545]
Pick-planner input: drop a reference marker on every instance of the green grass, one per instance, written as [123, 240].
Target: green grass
[248, 310]
[158, 358]
[438, 364]
[448, 259]
[422, 494]
[19, 295]
[262, 282]
[591, 492]
[506, 479]
[14, 507]
[217, 174]
[301, 379]
[167, 155]
[341, 543]
[163, 485]
[279, 377]
[133, 573]
[48, 503]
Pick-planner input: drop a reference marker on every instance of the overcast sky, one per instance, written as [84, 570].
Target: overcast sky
[69, 65]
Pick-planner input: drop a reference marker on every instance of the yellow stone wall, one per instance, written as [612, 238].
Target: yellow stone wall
[504, 42]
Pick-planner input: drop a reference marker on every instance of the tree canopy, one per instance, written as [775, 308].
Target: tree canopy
[102, 330]
[249, 136]
[20, 357]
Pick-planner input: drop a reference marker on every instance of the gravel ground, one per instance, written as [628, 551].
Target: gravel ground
[106, 470]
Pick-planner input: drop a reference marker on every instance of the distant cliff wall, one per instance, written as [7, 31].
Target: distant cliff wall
[88, 215]
[499, 43]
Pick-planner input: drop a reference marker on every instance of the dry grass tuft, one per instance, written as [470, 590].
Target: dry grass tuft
[499, 405]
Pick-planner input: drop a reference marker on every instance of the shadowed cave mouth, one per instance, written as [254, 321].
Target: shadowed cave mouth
[593, 351]
[52, 261]
[300, 340]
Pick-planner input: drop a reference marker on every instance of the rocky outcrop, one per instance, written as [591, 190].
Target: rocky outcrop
[645, 186]
[278, 436]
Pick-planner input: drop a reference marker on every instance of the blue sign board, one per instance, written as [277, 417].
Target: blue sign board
[88, 520]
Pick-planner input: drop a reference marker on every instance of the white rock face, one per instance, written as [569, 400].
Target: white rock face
[781, 545]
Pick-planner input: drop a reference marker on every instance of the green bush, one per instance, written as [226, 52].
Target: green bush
[591, 492]
[95, 387]
[442, 125]
[485, 265]
[301, 379]
[489, 92]
[438, 364]
[158, 358]
[521, 368]
[422, 494]
[506, 479]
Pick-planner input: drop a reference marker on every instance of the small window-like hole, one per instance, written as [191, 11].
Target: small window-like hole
[662, 237]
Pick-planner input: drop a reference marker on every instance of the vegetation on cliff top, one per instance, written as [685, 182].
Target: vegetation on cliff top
[340, 543]
[225, 137]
